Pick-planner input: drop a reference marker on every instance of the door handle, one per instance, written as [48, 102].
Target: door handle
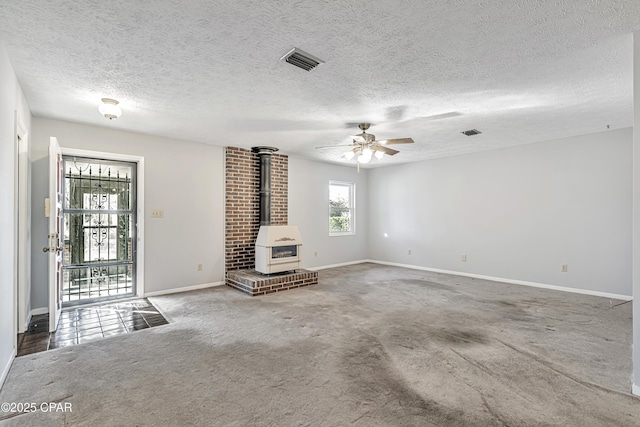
[52, 249]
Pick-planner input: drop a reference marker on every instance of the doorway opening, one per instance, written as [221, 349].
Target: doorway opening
[99, 229]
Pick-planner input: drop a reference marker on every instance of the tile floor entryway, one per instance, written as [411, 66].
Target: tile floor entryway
[82, 325]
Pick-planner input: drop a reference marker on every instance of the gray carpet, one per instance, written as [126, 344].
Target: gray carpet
[370, 345]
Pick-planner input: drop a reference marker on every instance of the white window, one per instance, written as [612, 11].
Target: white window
[342, 208]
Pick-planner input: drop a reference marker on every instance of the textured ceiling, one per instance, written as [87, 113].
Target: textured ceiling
[210, 71]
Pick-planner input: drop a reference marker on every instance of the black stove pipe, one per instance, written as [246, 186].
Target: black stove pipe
[265, 182]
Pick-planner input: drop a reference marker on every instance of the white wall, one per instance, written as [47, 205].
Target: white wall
[309, 210]
[517, 213]
[184, 179]
[11, 100]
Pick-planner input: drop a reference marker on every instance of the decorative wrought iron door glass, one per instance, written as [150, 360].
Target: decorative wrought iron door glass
[99, 230]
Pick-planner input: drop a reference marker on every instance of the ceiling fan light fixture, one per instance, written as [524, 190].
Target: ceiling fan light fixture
[362, 158]
[364, 146]
[110, 109]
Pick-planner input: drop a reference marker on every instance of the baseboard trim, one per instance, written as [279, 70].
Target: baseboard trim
[185, 289]
[635, 389]
[510, 281]
[38, 311]
[342, 264]
[6, 369]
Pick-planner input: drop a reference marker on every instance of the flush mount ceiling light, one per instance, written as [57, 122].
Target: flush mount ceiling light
[110, 109]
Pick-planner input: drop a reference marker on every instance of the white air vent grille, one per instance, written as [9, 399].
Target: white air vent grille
[302, 59]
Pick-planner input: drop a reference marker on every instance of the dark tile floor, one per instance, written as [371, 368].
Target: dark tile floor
[82, 325]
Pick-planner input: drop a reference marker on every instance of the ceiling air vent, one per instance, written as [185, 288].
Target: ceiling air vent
[471, 132]
[302, 59]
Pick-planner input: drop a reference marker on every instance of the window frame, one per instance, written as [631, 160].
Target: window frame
[352, 208]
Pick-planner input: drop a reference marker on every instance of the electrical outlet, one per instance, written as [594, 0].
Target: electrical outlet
[199, 267]
[409, 252]
[157, 214]
[563, 268]
[463, 258]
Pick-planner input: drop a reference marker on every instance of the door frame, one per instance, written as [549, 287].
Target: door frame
[22, 248]
[139, 161]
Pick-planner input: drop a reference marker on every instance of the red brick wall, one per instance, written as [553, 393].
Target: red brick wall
[242, 212]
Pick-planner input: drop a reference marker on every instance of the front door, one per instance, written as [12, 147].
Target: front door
[99, 230]
[54, 211]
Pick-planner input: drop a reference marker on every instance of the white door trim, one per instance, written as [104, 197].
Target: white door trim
[23, 225]
[139, 160]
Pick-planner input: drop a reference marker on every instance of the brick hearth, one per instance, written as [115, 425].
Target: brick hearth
[253, 283]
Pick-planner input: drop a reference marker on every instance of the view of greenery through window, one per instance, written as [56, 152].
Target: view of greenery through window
[340, 208]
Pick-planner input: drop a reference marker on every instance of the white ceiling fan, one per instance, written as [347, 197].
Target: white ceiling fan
[365, 146]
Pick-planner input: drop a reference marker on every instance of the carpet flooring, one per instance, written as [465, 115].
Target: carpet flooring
[370, 345]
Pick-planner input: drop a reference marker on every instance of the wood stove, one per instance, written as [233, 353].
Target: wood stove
[278, 249]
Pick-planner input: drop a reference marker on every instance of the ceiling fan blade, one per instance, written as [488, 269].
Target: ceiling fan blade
[385, 150]
[336, 146]
[359, 137]
[396, 141]
[441, 116]
[434, 117]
